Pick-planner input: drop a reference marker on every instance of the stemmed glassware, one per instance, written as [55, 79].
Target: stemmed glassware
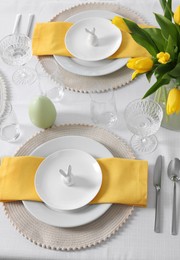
[143, 118]
[47, 71]
[15, 50]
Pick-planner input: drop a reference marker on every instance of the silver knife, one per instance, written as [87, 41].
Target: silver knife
[157, 185]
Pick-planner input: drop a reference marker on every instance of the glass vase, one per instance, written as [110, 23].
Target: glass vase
[171, 122]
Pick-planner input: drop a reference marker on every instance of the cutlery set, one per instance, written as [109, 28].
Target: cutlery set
[173, 172]
[17, 22]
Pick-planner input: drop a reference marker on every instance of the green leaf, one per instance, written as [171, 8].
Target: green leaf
[162, 69]
[167, 8]
[160, 82]
[178, 59]
[169, 4]
[175, 73]
[170, 47]
[143, 42]
[167, 11]
[178, 29]
[155, 34]
[178, 81]
[149, 75]
[167, 27]
[139, 34]
[163, 4]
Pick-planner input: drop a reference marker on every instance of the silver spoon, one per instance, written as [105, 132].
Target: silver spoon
[174, 175]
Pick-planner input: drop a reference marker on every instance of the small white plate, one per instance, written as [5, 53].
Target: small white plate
[78, 43]
[90, 68]
[86, 178]
[68, 218]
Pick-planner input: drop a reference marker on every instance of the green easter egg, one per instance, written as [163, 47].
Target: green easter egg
[42, 112]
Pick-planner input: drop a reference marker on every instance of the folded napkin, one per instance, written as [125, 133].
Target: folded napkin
[124, 180]
[48, 39]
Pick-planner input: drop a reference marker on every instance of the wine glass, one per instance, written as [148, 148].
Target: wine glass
[16, 50]
[143, 118]
[47, 69]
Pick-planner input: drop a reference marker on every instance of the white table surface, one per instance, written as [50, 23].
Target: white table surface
[136, 240]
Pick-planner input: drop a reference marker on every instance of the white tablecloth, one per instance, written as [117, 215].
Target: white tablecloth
[136, 239]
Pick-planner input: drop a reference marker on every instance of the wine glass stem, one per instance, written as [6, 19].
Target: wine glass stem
[40, 87]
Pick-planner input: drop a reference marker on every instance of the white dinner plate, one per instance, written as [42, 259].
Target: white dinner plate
[90, 68]
[85, 179]
[69, 218]
[93, 39]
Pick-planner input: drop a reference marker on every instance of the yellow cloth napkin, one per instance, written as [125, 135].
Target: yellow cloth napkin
[124, 180]
[48, 39]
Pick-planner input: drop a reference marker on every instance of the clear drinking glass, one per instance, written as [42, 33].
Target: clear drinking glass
[16, 50]
[103, 109]
[47, 69]
[143, 118]
[9, 127]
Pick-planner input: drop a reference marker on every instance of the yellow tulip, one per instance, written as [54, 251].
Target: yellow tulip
[163, 57]
[173, 102]
[177, 15]
[140, 65]
[119, 22]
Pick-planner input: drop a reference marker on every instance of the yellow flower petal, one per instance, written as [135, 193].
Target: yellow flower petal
[177, 15]
[173, 102]
[119, 22]
[163, 57]
[144, 64]
[140, 65]
[160, 55]
[134, 75]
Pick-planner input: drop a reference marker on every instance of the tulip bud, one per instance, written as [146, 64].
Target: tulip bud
[140, 65]
[177, 15]
[173, 102]
[119, 22]
[163, 57]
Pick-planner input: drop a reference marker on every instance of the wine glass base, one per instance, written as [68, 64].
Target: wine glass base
[144, 145]
[24, 76]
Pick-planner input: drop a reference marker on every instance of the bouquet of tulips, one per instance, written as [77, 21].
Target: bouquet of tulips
[163, 45]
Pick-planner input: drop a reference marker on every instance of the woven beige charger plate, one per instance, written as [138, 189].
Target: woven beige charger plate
[100, 83]
[71, 238]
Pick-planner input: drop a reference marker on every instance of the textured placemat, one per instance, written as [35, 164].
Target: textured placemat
[3, 94]
[101, 83]
[71, 238]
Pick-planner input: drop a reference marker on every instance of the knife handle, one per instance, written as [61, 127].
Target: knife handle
[174, 230]
[157, 211]
[31, 18]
